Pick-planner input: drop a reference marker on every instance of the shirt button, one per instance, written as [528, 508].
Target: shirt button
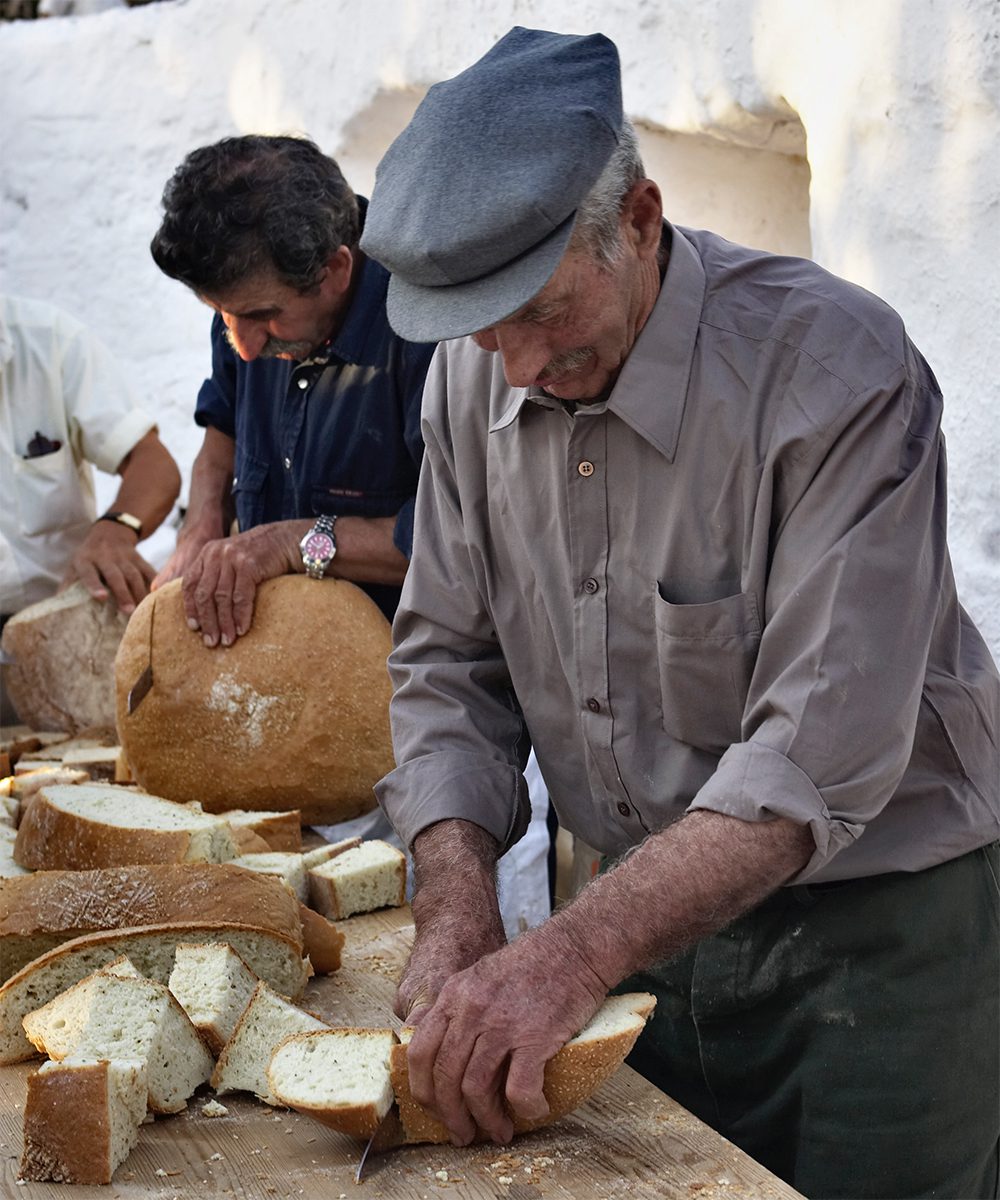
[288, 464]
[585, 468]
[593, 705]
[302, 382]
[591, 586]
[623, 808]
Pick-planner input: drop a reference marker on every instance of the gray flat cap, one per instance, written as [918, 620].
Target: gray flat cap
[475, 201]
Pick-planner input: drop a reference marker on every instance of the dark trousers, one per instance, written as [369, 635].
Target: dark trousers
[847, 1036]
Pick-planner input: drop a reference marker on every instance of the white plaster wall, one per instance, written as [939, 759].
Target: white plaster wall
[895, 103]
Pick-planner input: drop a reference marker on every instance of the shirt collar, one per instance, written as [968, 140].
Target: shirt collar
[366, 310]
[649, 393]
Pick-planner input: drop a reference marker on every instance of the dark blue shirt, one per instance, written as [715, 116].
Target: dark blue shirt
[338, 434]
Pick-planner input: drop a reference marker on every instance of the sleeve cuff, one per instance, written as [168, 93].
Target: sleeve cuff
[129, 430]
[454, 786]
[754, 783]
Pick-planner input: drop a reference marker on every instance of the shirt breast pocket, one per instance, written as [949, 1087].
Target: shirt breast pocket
[248, 490]
[354, 502]
[50, 493]
[706, 654]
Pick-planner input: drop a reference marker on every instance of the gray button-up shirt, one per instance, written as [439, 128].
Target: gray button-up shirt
[725, 588]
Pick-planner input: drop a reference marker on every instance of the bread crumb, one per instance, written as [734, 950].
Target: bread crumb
[216, 1157]
[214, 1109]
[442, 1175]
[504, 1179]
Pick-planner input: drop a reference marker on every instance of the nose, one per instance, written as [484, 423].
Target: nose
[525, 352]
[249, 337]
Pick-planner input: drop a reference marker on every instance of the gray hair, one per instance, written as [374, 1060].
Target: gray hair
[597, 228]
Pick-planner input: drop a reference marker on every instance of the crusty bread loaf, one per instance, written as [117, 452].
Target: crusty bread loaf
[82, 826]
[280, 830]
[152, 948]
[338, 1076]
[362, 879]
[572, 1075]
[40, 911]
[213, 985]
[285, 865]
[64, 651]
[111, 1016]
[300, 722]
[81, 1119]
[267, 1020]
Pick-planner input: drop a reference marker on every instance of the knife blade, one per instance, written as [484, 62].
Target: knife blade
[387, 1136]
[139, 690]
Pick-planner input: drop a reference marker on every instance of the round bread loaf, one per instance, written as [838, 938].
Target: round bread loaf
[295, 714]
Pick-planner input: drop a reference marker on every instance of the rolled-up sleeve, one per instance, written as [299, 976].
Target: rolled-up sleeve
[857, 558]
[458, 733]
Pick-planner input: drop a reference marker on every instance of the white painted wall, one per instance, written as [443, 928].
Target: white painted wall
[862, 132]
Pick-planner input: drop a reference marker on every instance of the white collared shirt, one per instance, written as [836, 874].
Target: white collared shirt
[57, 380]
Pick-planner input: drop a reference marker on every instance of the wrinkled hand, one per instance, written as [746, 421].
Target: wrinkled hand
[220, 585]
[190, 544]
[107, 563]
[482, 1047]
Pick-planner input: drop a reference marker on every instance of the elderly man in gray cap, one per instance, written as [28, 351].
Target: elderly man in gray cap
[681, 524]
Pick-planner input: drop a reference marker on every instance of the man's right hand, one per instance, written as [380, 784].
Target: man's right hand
[189, 546]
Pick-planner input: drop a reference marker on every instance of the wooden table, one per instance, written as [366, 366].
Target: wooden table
[629, 1140]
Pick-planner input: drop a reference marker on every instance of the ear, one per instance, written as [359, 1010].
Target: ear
[643, 218]
[339, 271]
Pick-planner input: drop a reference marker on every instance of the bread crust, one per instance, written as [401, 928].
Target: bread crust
[301, 721]
[324, 942]
[54, 906]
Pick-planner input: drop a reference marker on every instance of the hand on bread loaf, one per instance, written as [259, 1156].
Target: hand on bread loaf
[221, 583]
[107, 563]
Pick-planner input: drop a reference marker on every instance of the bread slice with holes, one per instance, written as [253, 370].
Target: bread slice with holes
[285, 865]
[362, 879]
[81, 1119]
[112, 1016]
[347, 1078]
[39, 912]
[82, 826]
[213, 985]
[339, 1076]
[152, 949]
[266, 1021]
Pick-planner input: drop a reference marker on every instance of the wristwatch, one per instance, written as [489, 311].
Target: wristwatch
[318, 547]
[126, 519]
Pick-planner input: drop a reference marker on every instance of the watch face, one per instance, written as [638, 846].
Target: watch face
[318, 546]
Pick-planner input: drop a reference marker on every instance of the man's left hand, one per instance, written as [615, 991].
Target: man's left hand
[220, 585]
[481, 1049]
[108, 564]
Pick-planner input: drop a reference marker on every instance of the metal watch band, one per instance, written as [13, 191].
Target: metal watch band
[316, 564]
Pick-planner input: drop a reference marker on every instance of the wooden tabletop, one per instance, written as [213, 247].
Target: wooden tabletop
[629, 1140]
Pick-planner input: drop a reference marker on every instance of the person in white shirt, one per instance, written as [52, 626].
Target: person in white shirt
[65, 404]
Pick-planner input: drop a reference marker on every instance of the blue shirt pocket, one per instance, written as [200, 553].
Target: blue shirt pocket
[248, 489]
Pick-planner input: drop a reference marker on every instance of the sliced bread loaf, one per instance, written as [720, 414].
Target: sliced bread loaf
[213, 985]
[91, 825]
[572, 1075]
[152, 949]
[112, 1016]
[362, 879]
[266, 1021]
[339, 1076]
[81, 1119]
[40, 912]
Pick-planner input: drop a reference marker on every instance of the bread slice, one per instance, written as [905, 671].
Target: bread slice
[26, 783]
[284, 865]
[213, 985]
[281, 830]
[99, 762]
[152, 949]
[572, 1075]
[324, 942]
[266, 1021]
[41, 911]
[362, 879]
[91, 825]
[8, 867]
[339, 1076]
[81, 1119]
[53, 745]
[109, 1016]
